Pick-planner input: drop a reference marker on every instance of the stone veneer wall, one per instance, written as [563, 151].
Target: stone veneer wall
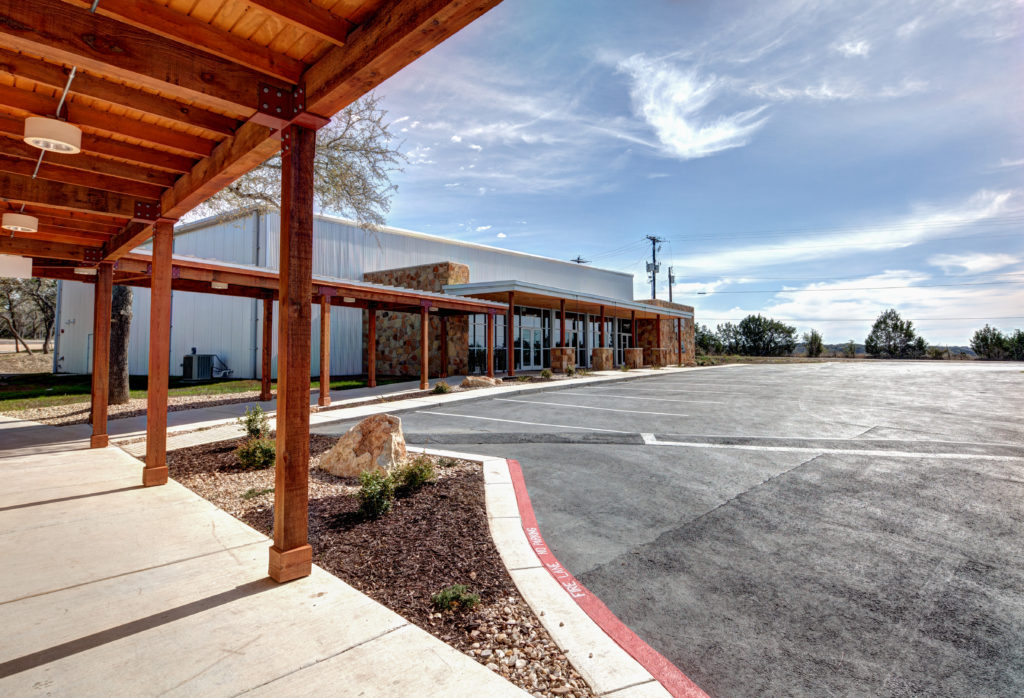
[647, 334]
[398, 334]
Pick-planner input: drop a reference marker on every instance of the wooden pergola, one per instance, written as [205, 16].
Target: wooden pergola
[175, 99]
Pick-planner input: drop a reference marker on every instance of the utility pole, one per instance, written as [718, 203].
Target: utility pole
[671, 281]
[653, 267]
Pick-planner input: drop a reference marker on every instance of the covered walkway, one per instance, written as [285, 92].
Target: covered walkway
[111, 588]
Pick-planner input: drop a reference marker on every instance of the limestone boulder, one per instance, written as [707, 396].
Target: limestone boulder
[376, 443]
[479, 382]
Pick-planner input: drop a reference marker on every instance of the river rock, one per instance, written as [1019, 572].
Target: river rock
[479, 382]
[376, 443]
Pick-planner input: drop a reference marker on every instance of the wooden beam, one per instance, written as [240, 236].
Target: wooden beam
[371, 347]
[88, 163]
[325, 352]
[510, 328]
[38, 104]
[151, 16]
[56, 76]
[56, 173]
[561, 322]
[133, 235]
[398, 33]
[266, 368]
[291, 556]
[107, 47]
[101, 354]
[679, 337]
[66, 235]
[308, 17]
[44, 249]
[444, 346]
[602, 327]
[424, 347]
[71, 197]
[74, 219]
[155, 472]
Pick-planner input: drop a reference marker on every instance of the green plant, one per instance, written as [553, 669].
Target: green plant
[813, 343]
[253, 492]
[256, 454]
[412, 475]
[570, 370]
[623, 368]
[441, 388]
[546, 373]
[255, 422]
[454, 597]
[376, 494]
[523, 379]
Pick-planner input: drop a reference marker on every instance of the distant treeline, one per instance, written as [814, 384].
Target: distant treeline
[891, 337]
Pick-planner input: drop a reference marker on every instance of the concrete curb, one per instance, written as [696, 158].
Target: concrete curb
[609, 656]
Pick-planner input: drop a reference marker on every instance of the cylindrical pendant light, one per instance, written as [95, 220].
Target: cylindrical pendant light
[20, 223]
[53, 134]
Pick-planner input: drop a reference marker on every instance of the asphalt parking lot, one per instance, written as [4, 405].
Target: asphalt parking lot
[803, 529]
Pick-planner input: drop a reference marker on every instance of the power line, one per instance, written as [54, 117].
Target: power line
[743, 278]
[859, 288]
[871, 319]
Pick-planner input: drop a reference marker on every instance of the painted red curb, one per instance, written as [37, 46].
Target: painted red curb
[665, 672]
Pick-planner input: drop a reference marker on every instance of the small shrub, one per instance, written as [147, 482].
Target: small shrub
[413, 475]
[255, 422]
[523, 379]
[376, 494]
[546, 373]
[624, 368]
[451, 462]
[253, 493]
[454, 597]
[441, 388]
[256, 454]
[570, 371]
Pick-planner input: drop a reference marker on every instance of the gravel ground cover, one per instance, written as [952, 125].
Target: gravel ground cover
[434, 538]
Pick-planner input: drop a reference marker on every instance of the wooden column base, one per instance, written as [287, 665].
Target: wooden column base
[99, 441]
[323, 401]
[290, 564]
[152, 477]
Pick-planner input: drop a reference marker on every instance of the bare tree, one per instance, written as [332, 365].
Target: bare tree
[120, 326]
[12, 310]
[43, 295]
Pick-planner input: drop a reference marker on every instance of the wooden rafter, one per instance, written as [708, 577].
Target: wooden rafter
[68, 175]
[46, 249]
[37, 104]
[153, 17]
[23, 189]
[308, 17]
[78, 37]
[14, 127]
[87, 85]
[88, 163]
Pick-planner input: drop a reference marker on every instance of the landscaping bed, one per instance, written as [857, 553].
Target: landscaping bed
[431, 539]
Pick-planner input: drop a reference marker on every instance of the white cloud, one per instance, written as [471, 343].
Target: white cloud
[677, 104]
[420, 155]
[501, 235]
[910, 28]
[1007, 163]
[481, 228]
[837, 90]
[972, 263]
[456, 139]
[474, 146]
[854, 48]
[452, 185]
[398, 121]
[925, 223]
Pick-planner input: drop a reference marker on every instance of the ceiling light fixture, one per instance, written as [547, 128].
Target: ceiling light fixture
[220, 285]
[53, 135]
[85, 271]
[20, 223]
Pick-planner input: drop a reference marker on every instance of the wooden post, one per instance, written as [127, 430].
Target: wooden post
[679, 336]
[632, 328]
[602, 327]
[562, 340]
[371, 347]
[658, 321]
[101, 354]
[325, 352]
[268, 348]
[155, 472]
[490, 344]
[291, 556]
[510, 327]
[424, 347]
[444, 346]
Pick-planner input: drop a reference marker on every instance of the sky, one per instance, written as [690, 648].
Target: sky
[818, 162]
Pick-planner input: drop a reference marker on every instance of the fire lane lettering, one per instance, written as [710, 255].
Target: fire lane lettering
[536, 541]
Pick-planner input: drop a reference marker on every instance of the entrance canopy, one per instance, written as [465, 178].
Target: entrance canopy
[538, 296]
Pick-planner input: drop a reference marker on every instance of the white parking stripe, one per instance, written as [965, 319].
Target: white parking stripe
[658, 399]
[584, 407]
[534, 424]
[833, 451]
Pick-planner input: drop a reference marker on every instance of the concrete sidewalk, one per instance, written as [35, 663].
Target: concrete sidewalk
[108, 588]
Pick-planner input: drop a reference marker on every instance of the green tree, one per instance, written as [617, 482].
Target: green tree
[892, 337]
[705, 340]
[990, 343]
[850, 350]
[1015, 345]
[763, 336]
[812, 340]
[729, 338]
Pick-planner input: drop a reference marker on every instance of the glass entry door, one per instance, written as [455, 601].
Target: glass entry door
[533, 348]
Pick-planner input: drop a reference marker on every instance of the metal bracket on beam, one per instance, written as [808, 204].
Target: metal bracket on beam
[278, 108]
[92, 254]
[146, 212]
[328, 291]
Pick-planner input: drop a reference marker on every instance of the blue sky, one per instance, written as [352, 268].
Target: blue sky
[817, 161]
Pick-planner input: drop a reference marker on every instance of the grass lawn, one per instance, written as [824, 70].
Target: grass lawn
[27, 390]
